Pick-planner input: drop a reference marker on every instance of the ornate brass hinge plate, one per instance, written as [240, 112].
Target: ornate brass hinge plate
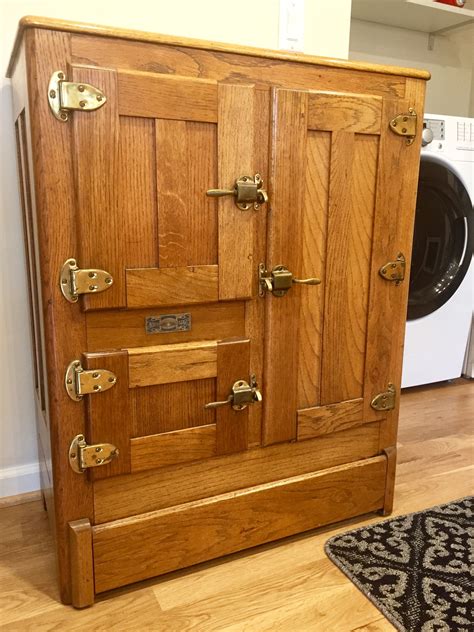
[79, 382]
[394, 270]
[405, 124]
[66, 96]
[83, 456]
[74, 281]
[242, 394]
[385, 400]
[248, 192]
[279, 280]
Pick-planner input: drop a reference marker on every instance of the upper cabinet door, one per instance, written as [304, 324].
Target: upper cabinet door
[343, 189]
[144, 162]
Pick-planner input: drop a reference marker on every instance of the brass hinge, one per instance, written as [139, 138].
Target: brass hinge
[394, 270]
[74, 281]
[66, 96]
[242, 394]
[83, 456]
[79, 382]
[279, 280]
[247, 192]
[405, 125]
[384, 400]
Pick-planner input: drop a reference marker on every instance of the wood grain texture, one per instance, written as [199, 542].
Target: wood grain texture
[82, 568]
[224, 524]
[238, 119]
[348, 252]
[394, 206]
[333, 111]
[239, 592]
[172, 363]
[54, 216]
[172, 286]
[391, 455]
[282, 322]
[320, 420]
[109, 413]
[170, 448]
[166, 97]
[315, 218]
[186, 166]
[124, 329]
[174, 406]
[233, 359]
[117, 497]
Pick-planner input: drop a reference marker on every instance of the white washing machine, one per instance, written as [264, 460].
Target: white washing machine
[440, 304]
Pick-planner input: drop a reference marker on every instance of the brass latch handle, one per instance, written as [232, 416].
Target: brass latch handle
[242, 394]
[280, 280]
[248, 191]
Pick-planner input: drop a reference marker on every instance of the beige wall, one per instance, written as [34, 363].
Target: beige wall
[250, 22]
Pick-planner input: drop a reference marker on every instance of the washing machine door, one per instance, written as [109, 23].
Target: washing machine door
[443, 238]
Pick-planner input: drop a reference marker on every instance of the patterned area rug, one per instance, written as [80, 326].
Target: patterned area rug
[415, 569]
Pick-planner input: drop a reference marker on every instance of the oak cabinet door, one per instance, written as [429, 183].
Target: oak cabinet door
[342, 193]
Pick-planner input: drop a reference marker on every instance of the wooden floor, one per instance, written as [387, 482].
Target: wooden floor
[289, 586]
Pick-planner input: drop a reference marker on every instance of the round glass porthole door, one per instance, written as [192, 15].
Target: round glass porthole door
[443, 238]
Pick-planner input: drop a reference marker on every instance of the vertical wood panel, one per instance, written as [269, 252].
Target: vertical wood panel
[186, 156]
[237, 118]
[315, 210]
[285, 239]
[233, 359]
[110, 412]
[82, 566]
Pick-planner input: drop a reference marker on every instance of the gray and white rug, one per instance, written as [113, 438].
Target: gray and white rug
[416, 569]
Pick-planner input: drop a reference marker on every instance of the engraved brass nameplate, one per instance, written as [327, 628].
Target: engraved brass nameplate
[167, 323]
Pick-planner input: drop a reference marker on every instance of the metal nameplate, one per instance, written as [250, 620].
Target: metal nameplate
[167, 323]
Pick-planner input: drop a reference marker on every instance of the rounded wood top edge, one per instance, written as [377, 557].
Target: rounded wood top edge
[29, 21]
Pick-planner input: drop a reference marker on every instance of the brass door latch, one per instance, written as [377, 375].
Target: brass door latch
[394, 270]
[74, 281]
[405, 125]
[66, 96]
[385, 400]
[247, 191]
[79, 382]
[279, 280]
[83, 456]
[242, 394]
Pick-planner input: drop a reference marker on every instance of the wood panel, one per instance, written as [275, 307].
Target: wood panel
[172, 286]
[170, 448]
[186, 159]
[398, 162]
[233, 359]
[315, 214]
[341, 111]
[351, 209]
[117, 497]
[282, 314]
[167, 97]
[216, 526]
[125, 329]
[238, 118]
[174, 406]
[109, 413]
[172, 363]
[82, 571]
[321, 420]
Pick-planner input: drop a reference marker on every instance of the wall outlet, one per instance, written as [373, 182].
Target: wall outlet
[291, 25]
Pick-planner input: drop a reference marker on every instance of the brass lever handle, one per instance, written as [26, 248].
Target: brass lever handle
[218, 404]
[220, 192]
[311, 281]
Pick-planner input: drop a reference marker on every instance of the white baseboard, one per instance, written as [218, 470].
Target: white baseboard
[19, 480]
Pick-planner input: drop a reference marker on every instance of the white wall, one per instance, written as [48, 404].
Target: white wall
[450, 62]
[250, 22]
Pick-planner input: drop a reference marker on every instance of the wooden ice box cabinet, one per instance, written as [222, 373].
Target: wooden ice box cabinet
[218, 241]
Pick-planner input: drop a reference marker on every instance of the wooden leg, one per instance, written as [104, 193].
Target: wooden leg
[82, 571]
[391, 454]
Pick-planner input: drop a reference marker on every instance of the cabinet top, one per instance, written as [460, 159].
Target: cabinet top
[154, 38]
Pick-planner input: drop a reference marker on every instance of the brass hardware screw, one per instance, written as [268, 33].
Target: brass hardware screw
[92, 275]
[108, 280]
[96, 387]
[52, 94]
[99, 98]
[112, 380]
[82, 104]
[96, 375]
[64, 281]
[93, 287]
[404, 129]
[69, 381]
[80, 88]
[98, 449]
[60, 75]
[64, 116]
